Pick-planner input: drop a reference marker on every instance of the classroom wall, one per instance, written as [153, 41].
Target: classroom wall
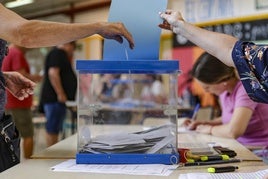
[205, 10]
[192, 10]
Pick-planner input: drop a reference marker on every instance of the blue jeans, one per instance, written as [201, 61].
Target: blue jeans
[55, 114]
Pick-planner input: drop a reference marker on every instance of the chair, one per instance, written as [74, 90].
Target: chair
[205, 113]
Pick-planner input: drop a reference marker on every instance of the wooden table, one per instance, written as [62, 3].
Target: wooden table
[39, 166]
[40, 169]
[66, 148]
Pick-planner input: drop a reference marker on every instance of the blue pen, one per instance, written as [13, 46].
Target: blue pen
[197, 106]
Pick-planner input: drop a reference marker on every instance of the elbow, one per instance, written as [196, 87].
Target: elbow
[234, 134]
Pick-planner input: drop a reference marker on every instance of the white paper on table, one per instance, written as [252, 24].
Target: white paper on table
[129, 169]
[256, 175]
[161, 144]
[149, 141]
[183, 129]
[119, 138]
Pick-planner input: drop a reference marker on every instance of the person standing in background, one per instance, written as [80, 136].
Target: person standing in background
[21, 109]
[59, 86]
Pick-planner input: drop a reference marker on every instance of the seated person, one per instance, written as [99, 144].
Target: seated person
[241, 118]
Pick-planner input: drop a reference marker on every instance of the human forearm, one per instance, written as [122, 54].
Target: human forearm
[217, 44]
[237, 126]
[216, 130]
[55, 81]
[223, 131]
[35, 78]
[214, 122]
[40, 33]
[37, 33]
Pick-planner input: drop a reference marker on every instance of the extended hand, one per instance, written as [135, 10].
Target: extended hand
[171, 20]
[116, 31]
[190, 124]
[18, 85]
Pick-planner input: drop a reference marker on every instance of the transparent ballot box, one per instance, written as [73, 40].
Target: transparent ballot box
[127, 112]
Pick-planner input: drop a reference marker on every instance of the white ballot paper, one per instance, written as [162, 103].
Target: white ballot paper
[150, 141]
[133, 169]
[256, 175]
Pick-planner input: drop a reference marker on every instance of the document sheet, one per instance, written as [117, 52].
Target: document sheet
[253, 175]
[145, 169]
[148, 141]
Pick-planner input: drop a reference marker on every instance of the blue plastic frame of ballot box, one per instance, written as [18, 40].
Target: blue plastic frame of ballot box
[168, 159]
[133, 67]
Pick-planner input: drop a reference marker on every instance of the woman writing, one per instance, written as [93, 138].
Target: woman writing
[242, 118]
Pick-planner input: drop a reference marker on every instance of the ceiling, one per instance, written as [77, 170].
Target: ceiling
[43, 8]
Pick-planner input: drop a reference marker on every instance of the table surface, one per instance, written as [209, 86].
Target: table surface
[66, 149]
[39, 166]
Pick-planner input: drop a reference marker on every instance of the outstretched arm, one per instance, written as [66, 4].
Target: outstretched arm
[37, 33]
[217, 44]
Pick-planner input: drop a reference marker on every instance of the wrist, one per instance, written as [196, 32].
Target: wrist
[6, 74]
[177, 26]
[61, 94]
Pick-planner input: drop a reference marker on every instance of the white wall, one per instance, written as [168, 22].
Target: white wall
[205, 10]
[193, 10]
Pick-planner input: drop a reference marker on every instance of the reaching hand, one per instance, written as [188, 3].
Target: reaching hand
[190, 124]
[18, 85]
[171, 21]
[116, 31]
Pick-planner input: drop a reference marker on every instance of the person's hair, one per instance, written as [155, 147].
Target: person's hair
[210, 70]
